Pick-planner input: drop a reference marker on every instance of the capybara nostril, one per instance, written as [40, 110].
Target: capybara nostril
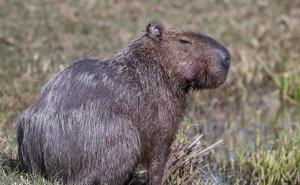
[226, 62]
[224, 57]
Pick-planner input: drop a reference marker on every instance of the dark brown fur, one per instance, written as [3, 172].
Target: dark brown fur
[97, 119]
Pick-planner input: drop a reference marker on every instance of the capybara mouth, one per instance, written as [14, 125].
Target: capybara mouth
[207, 80]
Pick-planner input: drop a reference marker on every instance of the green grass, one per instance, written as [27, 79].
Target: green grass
[276, 162]
[256, 113]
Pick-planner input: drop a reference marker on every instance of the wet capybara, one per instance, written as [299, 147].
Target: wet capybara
[95, 121]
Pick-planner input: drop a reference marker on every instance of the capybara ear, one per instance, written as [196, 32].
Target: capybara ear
[154, 30]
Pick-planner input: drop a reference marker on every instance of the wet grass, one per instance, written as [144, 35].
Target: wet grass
[256, 113]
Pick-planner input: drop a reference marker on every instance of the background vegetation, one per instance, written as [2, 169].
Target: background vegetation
[256, 113]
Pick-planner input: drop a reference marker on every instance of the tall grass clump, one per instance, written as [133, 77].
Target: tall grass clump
[275, 162]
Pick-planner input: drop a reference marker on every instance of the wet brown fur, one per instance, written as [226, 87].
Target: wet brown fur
[97, 119]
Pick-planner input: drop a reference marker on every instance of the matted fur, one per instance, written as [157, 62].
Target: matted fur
[97, 119]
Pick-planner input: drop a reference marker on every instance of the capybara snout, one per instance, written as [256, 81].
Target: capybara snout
[98, 118]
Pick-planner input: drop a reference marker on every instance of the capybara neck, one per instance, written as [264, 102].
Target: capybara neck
[151, 61]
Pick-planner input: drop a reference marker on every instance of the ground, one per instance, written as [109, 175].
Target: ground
[255, 113]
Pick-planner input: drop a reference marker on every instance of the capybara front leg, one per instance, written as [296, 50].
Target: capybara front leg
[156, 167]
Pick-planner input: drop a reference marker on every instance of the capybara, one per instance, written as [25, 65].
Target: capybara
[95, 121]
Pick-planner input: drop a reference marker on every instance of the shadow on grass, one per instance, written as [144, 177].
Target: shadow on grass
[135, 179]
[10, 165]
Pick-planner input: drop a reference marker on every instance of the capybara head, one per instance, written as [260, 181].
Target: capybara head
[198, 60]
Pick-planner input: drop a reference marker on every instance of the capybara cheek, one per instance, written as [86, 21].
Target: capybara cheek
[190, 70]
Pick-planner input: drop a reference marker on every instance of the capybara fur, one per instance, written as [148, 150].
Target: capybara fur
[95, 121]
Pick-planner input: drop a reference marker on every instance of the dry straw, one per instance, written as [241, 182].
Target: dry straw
[186, 160]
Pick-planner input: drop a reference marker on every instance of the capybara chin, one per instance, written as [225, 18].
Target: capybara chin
[97, 119]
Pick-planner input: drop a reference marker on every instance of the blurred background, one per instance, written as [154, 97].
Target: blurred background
[256, 112]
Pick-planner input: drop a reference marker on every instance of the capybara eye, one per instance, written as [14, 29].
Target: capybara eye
[182, 41]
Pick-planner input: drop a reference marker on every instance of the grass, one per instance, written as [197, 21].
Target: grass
[256, 113]
[272, 163]
[186, 161]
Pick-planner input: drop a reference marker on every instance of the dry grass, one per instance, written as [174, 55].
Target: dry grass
[186, 161]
